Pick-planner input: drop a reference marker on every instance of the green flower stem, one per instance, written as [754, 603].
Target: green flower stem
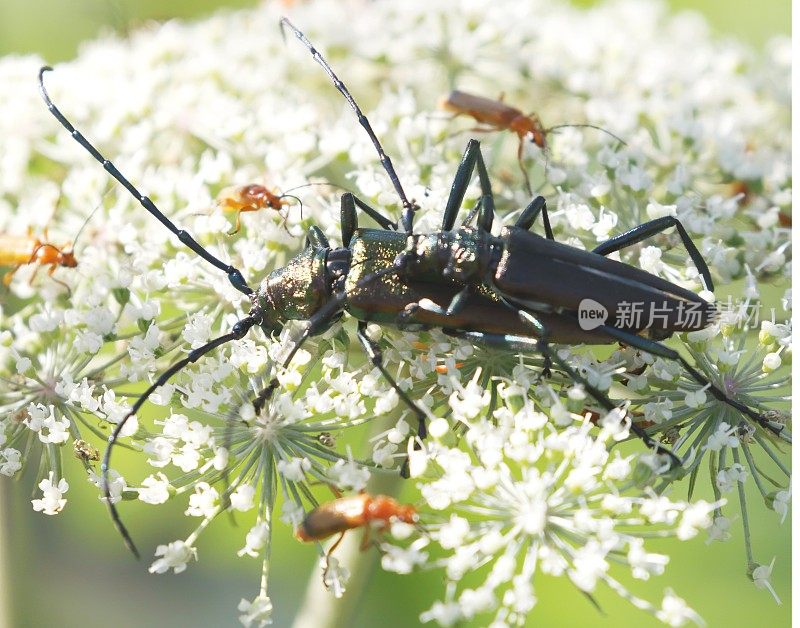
[745, 521]
[5, 584]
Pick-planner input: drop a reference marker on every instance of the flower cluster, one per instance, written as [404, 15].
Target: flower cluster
[526, 497]
[521, 474]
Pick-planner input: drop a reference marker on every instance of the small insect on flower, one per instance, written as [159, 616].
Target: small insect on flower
[743, 190]
[348, 513]
[85, 452]
[18, 251]
[248, 198]
[498, 116]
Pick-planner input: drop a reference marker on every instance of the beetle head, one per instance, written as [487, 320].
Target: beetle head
[296, 291]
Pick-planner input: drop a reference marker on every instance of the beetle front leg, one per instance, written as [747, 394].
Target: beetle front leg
[521, 162]
[328, 554]
[321, 319]
[455, 306]
[648, 230]
[349, 217]
[238, 331]
[375, 356]
[472, 158]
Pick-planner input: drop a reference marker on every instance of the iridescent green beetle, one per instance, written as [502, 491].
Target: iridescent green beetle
[517, 290]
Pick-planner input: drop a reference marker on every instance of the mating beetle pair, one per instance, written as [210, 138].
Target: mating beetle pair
[518, 291]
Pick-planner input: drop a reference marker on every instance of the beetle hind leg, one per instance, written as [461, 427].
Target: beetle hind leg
[328, 555]
[529, 215]
[661, 350]
[654, 227]
[540, 345]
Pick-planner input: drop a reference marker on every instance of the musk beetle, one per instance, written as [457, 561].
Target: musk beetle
[517, 290]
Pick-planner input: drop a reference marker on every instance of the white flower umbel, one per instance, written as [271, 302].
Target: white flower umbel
[187, 110]
[711, 435]
[529, 499]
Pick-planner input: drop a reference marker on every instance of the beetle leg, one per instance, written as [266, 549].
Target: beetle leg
[349, 219]
[238, 226]
[521, 343]
[456, 304]
[373, 213]
[656, 348]
[472, 158]
[529, 215]
[234, 274]
[36, 272]
[651, 228]
[521, 162]
[10, 275]
[365, 540]
[475, 129]
[320, 320]
[472, 213]
[375, 356]
[50, 272]
[328, 558]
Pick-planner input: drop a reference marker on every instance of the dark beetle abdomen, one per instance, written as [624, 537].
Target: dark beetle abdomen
[536, 270]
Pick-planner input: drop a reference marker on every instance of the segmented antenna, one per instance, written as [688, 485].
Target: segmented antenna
[408, 207]
[234, 275]
[587, 126]
[239, 330]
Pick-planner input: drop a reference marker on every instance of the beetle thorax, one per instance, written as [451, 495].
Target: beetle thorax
[462, 255]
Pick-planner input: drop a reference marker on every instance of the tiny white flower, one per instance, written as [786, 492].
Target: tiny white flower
[117, 485]
[256, 613]
[761, 575]
[10, 461]
[719, 530]
[174, 556]
[644, 564]
[334, 576]
[724, 436]
[52, 501]
[154, 489]
[294, 469]
[203, 502]
[675, 612]
[695, 517]
[256, 540]
[780, 503]
[243, 498]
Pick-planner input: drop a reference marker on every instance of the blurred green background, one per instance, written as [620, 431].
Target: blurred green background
[72, 570]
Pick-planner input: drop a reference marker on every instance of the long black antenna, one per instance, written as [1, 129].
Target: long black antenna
[239, 330]
[408, 207]
[234, 275]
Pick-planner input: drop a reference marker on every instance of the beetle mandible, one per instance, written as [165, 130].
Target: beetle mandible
[518, 291]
